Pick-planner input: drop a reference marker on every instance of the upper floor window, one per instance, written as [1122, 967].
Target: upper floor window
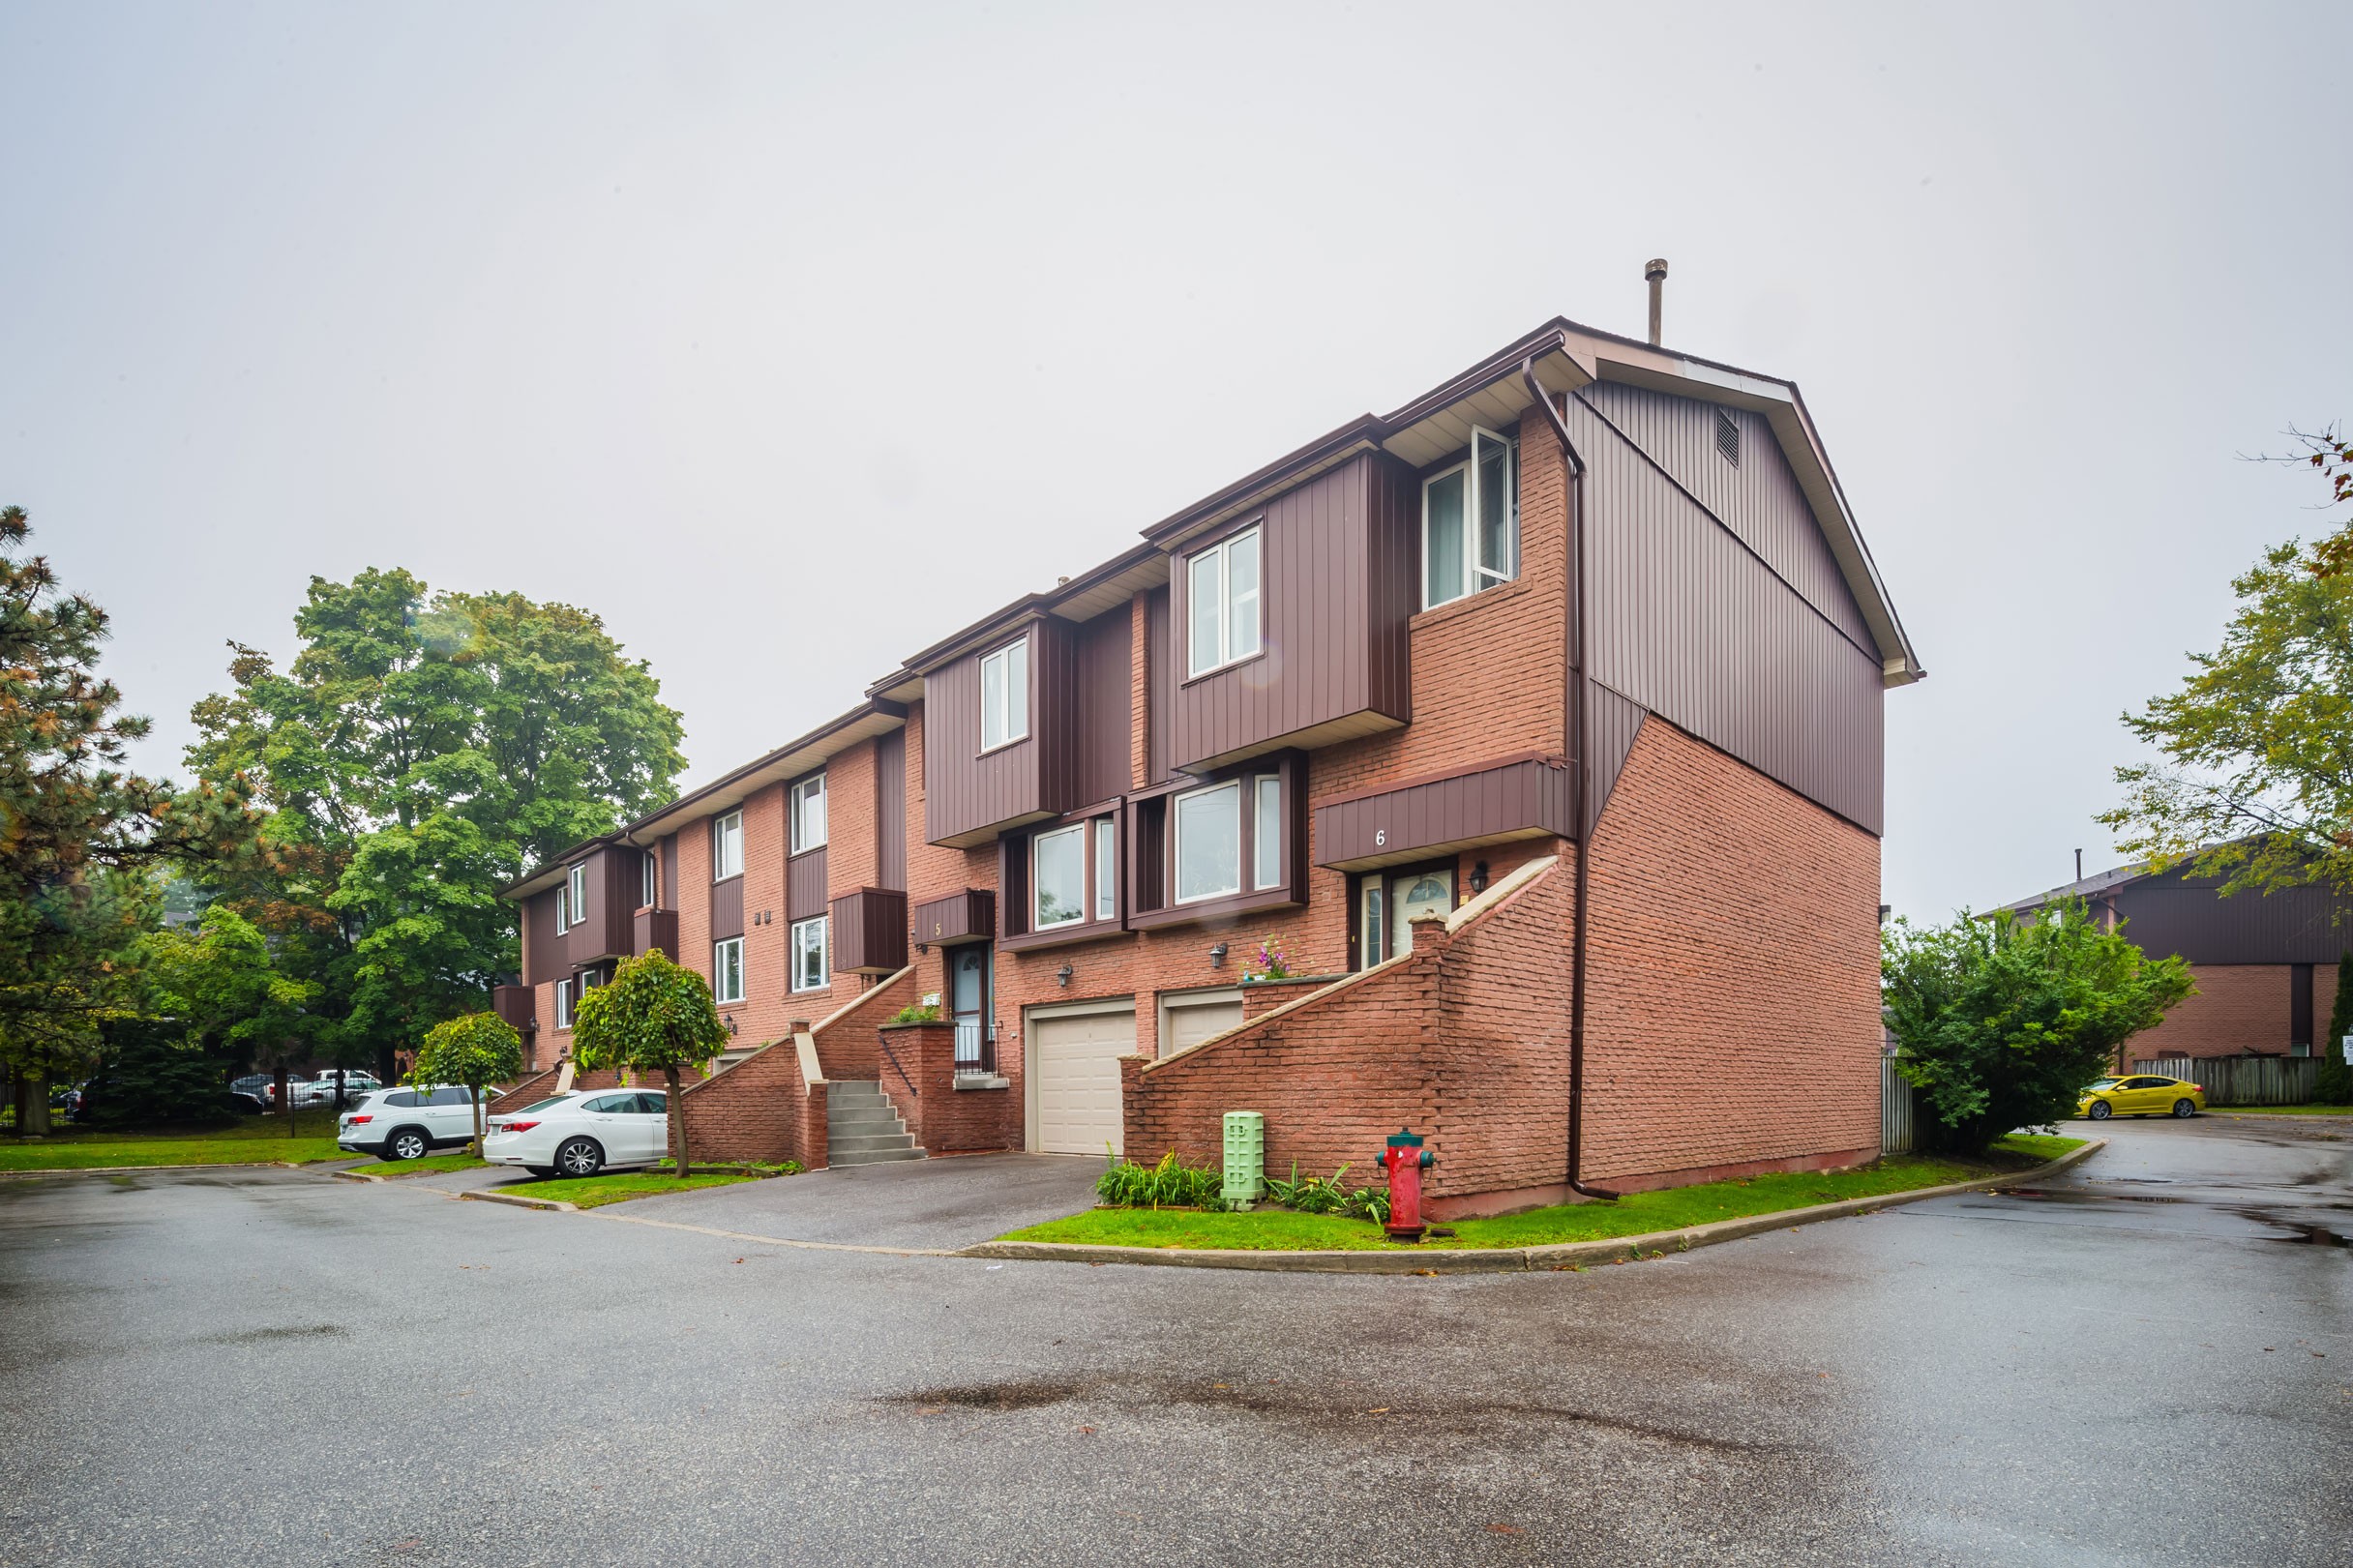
[1004, 695]
[727, 971]
[563, 906]
[1222, 602]
[575, 892]
[808, 955]
[809, 813]
[649, 879]
[727, 847]
[1471, 521]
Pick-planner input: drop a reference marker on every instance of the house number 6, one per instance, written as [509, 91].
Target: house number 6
[1380, 836]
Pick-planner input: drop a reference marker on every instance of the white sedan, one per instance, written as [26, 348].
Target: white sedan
[581, 1132]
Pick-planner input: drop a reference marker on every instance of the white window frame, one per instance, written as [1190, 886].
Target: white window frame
[576, 889]
[802, 794]
[563, 1003]
[825, 957]
[1476, 576]
[1011, 694]
[1085, 830]
[1225, 653]
[1176, 843]
[719, 972]
[1266, 850]
[649, 879]
[563, 906]
[1103, 890]
[724, 829]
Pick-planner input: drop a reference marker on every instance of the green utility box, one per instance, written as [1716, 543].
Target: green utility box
[1245, 1158]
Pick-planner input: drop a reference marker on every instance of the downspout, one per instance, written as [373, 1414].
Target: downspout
[1573, 615]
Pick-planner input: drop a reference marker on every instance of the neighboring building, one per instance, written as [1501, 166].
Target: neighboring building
[2265, 962]
[1368, 703]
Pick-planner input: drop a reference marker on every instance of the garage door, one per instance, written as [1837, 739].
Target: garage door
[1077, 1062]
[1190, 1024]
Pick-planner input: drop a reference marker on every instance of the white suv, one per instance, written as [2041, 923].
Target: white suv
[581, 1132]
[408, 1124]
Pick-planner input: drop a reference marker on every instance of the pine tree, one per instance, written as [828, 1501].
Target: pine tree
[2336, 1086]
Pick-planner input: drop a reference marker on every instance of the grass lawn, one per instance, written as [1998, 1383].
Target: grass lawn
[249, 1140]
[594, 1192]
[1634, 1215]
[460, 1161]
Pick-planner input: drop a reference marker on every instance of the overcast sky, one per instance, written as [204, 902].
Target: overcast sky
[789, 341]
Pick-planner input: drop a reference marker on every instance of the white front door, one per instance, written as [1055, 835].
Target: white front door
[1074, 1061]
[1386, 904]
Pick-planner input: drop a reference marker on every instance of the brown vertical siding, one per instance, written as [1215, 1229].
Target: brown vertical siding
[1324, 634]
[1757, 499]
[727, 908]
[670, 871]
[890, 808]
[966, 913]
[2179, 915]
[964, 792]
[1526, 797]
[543, 950]
[1690, 623]
[1392, 584]
[805, 885]
[1104, 719]
[1610, 722]
[615, 880]
[1162, 685]
[870, 931]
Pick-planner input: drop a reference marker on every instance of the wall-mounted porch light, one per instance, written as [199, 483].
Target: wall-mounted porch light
[1478, 877]
[1217, 957]
[1061, 976]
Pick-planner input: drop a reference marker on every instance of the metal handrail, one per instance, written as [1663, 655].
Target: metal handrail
[894, 1061]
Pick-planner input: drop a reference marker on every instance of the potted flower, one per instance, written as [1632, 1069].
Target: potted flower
[1274, 962]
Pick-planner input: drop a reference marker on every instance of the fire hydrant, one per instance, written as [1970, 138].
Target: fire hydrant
[1404, 1160]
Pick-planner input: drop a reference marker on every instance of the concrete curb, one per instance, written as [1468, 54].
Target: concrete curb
[551, 1205]
[1564, 1255]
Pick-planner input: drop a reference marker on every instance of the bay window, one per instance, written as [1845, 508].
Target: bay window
[1004, 695]
[1209, 842]
[1226, 845]
[1058, 878]
[1107, 868]
[1060, 881]
[1222, 604]
[1471, 521]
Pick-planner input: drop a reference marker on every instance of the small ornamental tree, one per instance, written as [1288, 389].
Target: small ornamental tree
[477, 1050]
[2002, 1021]
[651, 1016]
[2336, 1080]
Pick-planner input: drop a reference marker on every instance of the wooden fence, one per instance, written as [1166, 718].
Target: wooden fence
[2245, 1081]
[1896, 1116]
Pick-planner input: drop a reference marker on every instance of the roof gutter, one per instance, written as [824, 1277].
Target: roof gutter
[1574, 606]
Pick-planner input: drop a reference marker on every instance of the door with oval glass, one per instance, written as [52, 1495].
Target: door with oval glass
[1386, 903]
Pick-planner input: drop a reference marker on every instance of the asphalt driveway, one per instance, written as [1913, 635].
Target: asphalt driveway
[941, 1204]
[272, 1367]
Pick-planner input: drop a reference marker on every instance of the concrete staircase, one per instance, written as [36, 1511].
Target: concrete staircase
[862, 1127]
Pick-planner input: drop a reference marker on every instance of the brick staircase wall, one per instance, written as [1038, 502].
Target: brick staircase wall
[846, 1038]
[1464, 1041]
[761, 1109]
[945, 1119]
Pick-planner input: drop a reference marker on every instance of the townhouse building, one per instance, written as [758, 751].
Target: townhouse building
[1533, 729]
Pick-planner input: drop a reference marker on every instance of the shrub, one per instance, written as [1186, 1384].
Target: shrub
[2334, 1082]
[915, 1013]
[1324, 1195]
[1170, 1184]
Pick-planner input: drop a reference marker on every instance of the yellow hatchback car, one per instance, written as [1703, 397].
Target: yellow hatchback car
[2143, 1094]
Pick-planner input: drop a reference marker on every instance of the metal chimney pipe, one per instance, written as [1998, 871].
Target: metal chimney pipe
[2078, 865]
[1655, 270]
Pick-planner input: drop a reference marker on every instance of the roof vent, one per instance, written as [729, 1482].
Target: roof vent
[1728, 437]
[1654, 273]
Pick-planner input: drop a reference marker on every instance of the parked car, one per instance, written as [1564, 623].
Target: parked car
[582, 1132]
[246, 1104]
[2142, 1094]
[408, 1124]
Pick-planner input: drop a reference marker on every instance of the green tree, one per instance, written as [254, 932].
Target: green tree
[419, 752]
[2254, 778]
[477, 1050]
[2002, 1021]
[78, 831]
[2335, 1078]
[225, 984]
[652, 1016]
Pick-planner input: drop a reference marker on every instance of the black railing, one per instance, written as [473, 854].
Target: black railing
[894, 1061]
[975, 1051]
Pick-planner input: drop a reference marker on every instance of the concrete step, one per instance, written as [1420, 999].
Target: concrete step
[865, 1142]
[851, 1157]
[855, 1091]
[844, 1123]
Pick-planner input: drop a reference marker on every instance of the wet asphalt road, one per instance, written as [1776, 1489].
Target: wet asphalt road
[2149, 1363]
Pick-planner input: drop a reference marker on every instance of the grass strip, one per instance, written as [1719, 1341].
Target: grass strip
[425, 1166]
[1636, 1214]
[595, 1192]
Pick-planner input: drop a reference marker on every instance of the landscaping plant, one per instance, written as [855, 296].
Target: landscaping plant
[477, 1050]
[651, 1017]
[1325, 1195]
[1274, 962]
[1170, 1184]
[2335, 1083]
[2002, 1021]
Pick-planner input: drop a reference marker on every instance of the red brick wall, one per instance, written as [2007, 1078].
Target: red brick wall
[846, 1043]
[1466, 1043]
[1732, 1013]
[2237, 1008]
[944, 1118]
[759, 1109]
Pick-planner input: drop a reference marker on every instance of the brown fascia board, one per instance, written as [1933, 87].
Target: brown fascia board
[716, 794]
